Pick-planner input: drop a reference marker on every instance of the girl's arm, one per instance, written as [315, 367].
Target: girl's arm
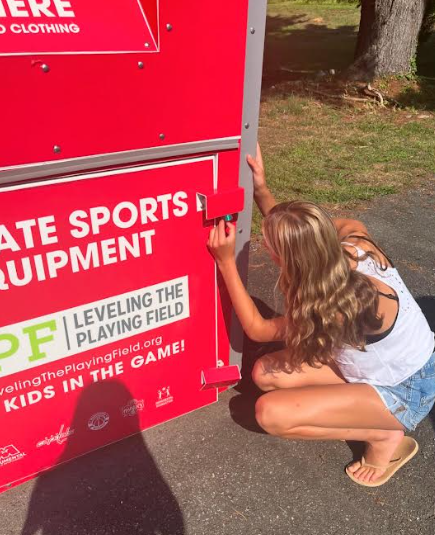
[262, 195]
[257, 328]
[346, 227]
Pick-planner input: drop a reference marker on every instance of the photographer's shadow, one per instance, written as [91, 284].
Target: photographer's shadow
[116, 490]
[242, 407]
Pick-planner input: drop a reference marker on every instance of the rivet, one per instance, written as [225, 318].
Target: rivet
[247, 125]
[147, 45]
[162, 136]
[252, 30]
[56, 149]
[240, 230]
[169, 27]
[140, 64]
[45, 68]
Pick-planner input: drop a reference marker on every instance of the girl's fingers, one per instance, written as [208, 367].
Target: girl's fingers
[211, 238]
[216, 237]
[222, 233]
[252, 163]
[231, 231]
[259, 156]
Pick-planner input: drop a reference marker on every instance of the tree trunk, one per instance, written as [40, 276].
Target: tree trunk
[387, 38]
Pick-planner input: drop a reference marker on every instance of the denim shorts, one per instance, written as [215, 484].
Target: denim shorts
[413, 399]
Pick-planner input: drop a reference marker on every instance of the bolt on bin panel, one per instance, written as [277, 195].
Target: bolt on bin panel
[94, 292]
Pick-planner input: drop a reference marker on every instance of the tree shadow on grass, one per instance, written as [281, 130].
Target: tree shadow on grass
[420, 94]
[295, 53]
[426, 57]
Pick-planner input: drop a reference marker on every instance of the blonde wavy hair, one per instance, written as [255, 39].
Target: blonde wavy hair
[328, 305]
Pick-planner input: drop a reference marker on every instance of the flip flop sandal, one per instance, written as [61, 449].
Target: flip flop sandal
[404, 453]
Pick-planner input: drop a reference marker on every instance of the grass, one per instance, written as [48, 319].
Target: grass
[309, 37]
[326, 150]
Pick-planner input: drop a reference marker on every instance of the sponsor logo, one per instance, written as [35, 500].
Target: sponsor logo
[133, 407]
[164, 396]
[98, 420]
[10, 454]
[59, 438]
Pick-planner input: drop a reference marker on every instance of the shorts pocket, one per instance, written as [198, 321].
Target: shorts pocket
[397, 406]
[391, 400]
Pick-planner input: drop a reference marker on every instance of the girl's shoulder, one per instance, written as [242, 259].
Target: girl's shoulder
[348, 227]
[363, 248]
[356, 240]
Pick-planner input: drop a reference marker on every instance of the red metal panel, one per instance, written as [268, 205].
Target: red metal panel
[43, 380]
[191, 90]
[65, 26]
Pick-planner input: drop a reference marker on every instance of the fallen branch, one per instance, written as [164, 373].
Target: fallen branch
[339, 97]
[372, 92]
[357, 99]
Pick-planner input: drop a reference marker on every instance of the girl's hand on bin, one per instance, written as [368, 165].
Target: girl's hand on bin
[222, 244]
[257, 166]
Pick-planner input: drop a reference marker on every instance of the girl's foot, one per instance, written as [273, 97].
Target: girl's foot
[379, 451]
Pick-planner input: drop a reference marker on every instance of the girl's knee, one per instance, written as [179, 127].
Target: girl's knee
[263, 413]
[267, 414]
[260, 377]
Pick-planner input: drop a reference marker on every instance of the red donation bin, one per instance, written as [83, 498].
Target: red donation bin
[125, 127]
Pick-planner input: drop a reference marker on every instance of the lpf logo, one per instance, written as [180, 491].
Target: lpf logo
[10, 454]
[98, 420]
[164, 396]
[133, 407]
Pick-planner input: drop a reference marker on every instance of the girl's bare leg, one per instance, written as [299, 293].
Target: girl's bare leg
[267, 377]
[332, 411]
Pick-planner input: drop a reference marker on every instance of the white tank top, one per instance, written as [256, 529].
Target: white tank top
[403, 351]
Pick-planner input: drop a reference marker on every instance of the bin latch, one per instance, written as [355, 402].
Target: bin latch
[218, 377]
[221, 203]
